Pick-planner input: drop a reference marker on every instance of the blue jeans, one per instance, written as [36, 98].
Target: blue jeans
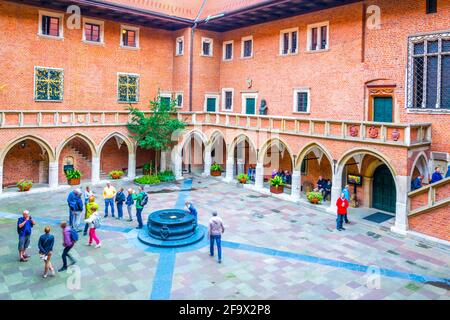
[130, 211]
[109, 202]
[218, 240]
[139, 217]
[339, 221]
[120, 210]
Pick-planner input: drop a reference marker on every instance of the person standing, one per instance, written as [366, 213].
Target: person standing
[447, 175]
[417, 183]
[90, 207]
[141, 201]
[191, 209]
[120, 199]
[327, 191]
[321, 184]
[129, 202]
[75, 208]
[24, 227]
[215, 231]
[94, 223]
[69, 240]
[45, 245]
[346, 192]
[437, 176]
[342, 205]
[109, 192]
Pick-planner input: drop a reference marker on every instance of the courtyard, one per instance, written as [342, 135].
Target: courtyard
[272, 249]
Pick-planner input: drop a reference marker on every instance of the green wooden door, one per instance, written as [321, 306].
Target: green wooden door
[382, 109]
[211, 104]
[384, 194]
[250, 104]
[165, 102]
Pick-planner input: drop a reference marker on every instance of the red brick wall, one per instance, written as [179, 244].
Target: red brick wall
[435, 223]
[144, 156]
[113, 158]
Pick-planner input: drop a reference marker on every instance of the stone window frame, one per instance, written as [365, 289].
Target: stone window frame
[177, 94]
[61, 89]
[130, 28]
[224, 91]
[177, 41]
[211, 47]
[211, 95]
[295, 100]
[289, 31]
[309, 36]
[101, 23]
[412, 40]
[165, 94]
[52, 14]
[243, 40]
[224, 46]
[119, 74]
[249, 95]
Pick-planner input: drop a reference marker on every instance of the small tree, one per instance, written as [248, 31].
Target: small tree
[155, 130]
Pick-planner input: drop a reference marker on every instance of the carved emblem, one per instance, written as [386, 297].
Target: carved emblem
[373, 132]
[354, 132]
[249, 83]
[80, 118]
[395, 134]
[64, 119]
[164, 232]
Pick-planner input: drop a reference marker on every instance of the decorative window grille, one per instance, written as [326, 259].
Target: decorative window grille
[49, 84]
[128, 88]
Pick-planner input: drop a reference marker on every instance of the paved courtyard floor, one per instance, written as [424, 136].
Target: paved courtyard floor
[272, 250]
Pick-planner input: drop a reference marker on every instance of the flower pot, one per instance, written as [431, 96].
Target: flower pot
[74, 182]
[314, 201]
[216, 173]
[277, 190]
[116, 176]
[23, 189]
[243, 181]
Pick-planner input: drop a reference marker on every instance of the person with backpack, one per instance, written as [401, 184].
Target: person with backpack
[70, 237]
[24, 226]
[215, 231]
[141, 201]
[90, 207]
[120, 199]
[94, 223]
[45, 245]
[129, 202]
[75, 204]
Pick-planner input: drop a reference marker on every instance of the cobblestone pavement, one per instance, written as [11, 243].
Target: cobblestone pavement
[272, 250]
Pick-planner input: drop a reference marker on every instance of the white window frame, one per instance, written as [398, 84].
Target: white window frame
[177, 41]
[288, 31]
[211, 47]
[179, 93]
[250, 95]
[102, 31]
[319, 35]
[243, 39]
[295, 100]
[131, 28]
[166, 94]
[34, 84]
[54, 15]
[224, 46]
[138, 84]
[224, 90]
[211, 95]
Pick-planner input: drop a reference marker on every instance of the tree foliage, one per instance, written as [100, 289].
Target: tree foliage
[154, 131]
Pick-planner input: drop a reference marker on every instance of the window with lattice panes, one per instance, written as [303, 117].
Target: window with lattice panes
[49, 84]
[128, 88]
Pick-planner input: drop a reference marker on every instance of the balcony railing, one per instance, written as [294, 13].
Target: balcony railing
[398, 134]
[429, 197]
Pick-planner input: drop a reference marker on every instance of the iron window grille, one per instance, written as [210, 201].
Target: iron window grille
[49, 84]
[128, 88]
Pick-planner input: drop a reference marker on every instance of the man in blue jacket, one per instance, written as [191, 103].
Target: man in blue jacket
[437, 176]
[24, 226]
[191, 209]
[75, 204]
[417, 183]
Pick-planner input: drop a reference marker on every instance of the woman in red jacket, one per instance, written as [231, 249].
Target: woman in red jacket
[342, 205]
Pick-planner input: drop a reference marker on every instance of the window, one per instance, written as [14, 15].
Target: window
[165, 100]
[48, 84]
[179, 100]
[318, 36]
[431, 6]
[129, 37]
[179, 50]
[301, 100]
[128, 88]
[247, 47]
[51, 24]
[228, 50]
[289, 41]
[211, 102]
[227, 99]
[428, 72]
[93, 31]
[207, 47]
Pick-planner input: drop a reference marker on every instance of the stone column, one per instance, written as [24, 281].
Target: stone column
[1, 179]
[240, 166]
[259, 176]
[177, 163]
[207, 162]
[164, 157]
[53, 174]
[336, 190]
[296, 185]
[95, 176]
[402, 205]
[230, 170]
[131, 165]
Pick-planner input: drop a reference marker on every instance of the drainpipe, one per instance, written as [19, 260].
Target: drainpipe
[191, 53]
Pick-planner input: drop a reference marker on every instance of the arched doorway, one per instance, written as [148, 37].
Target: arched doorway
[76, 153]
[276, 157]
[113, 155]
[192, 155]
[243, 153]
[384, 194]
[218, 149]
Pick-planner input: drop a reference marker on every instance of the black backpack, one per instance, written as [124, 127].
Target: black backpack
[144, 200]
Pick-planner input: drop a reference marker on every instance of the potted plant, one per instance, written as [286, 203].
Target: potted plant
[73, 177]
[116, 174]
[216, 170]
[276, 185]
[24, 185]
[148, 168]
[242, 178]
[314, 197]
